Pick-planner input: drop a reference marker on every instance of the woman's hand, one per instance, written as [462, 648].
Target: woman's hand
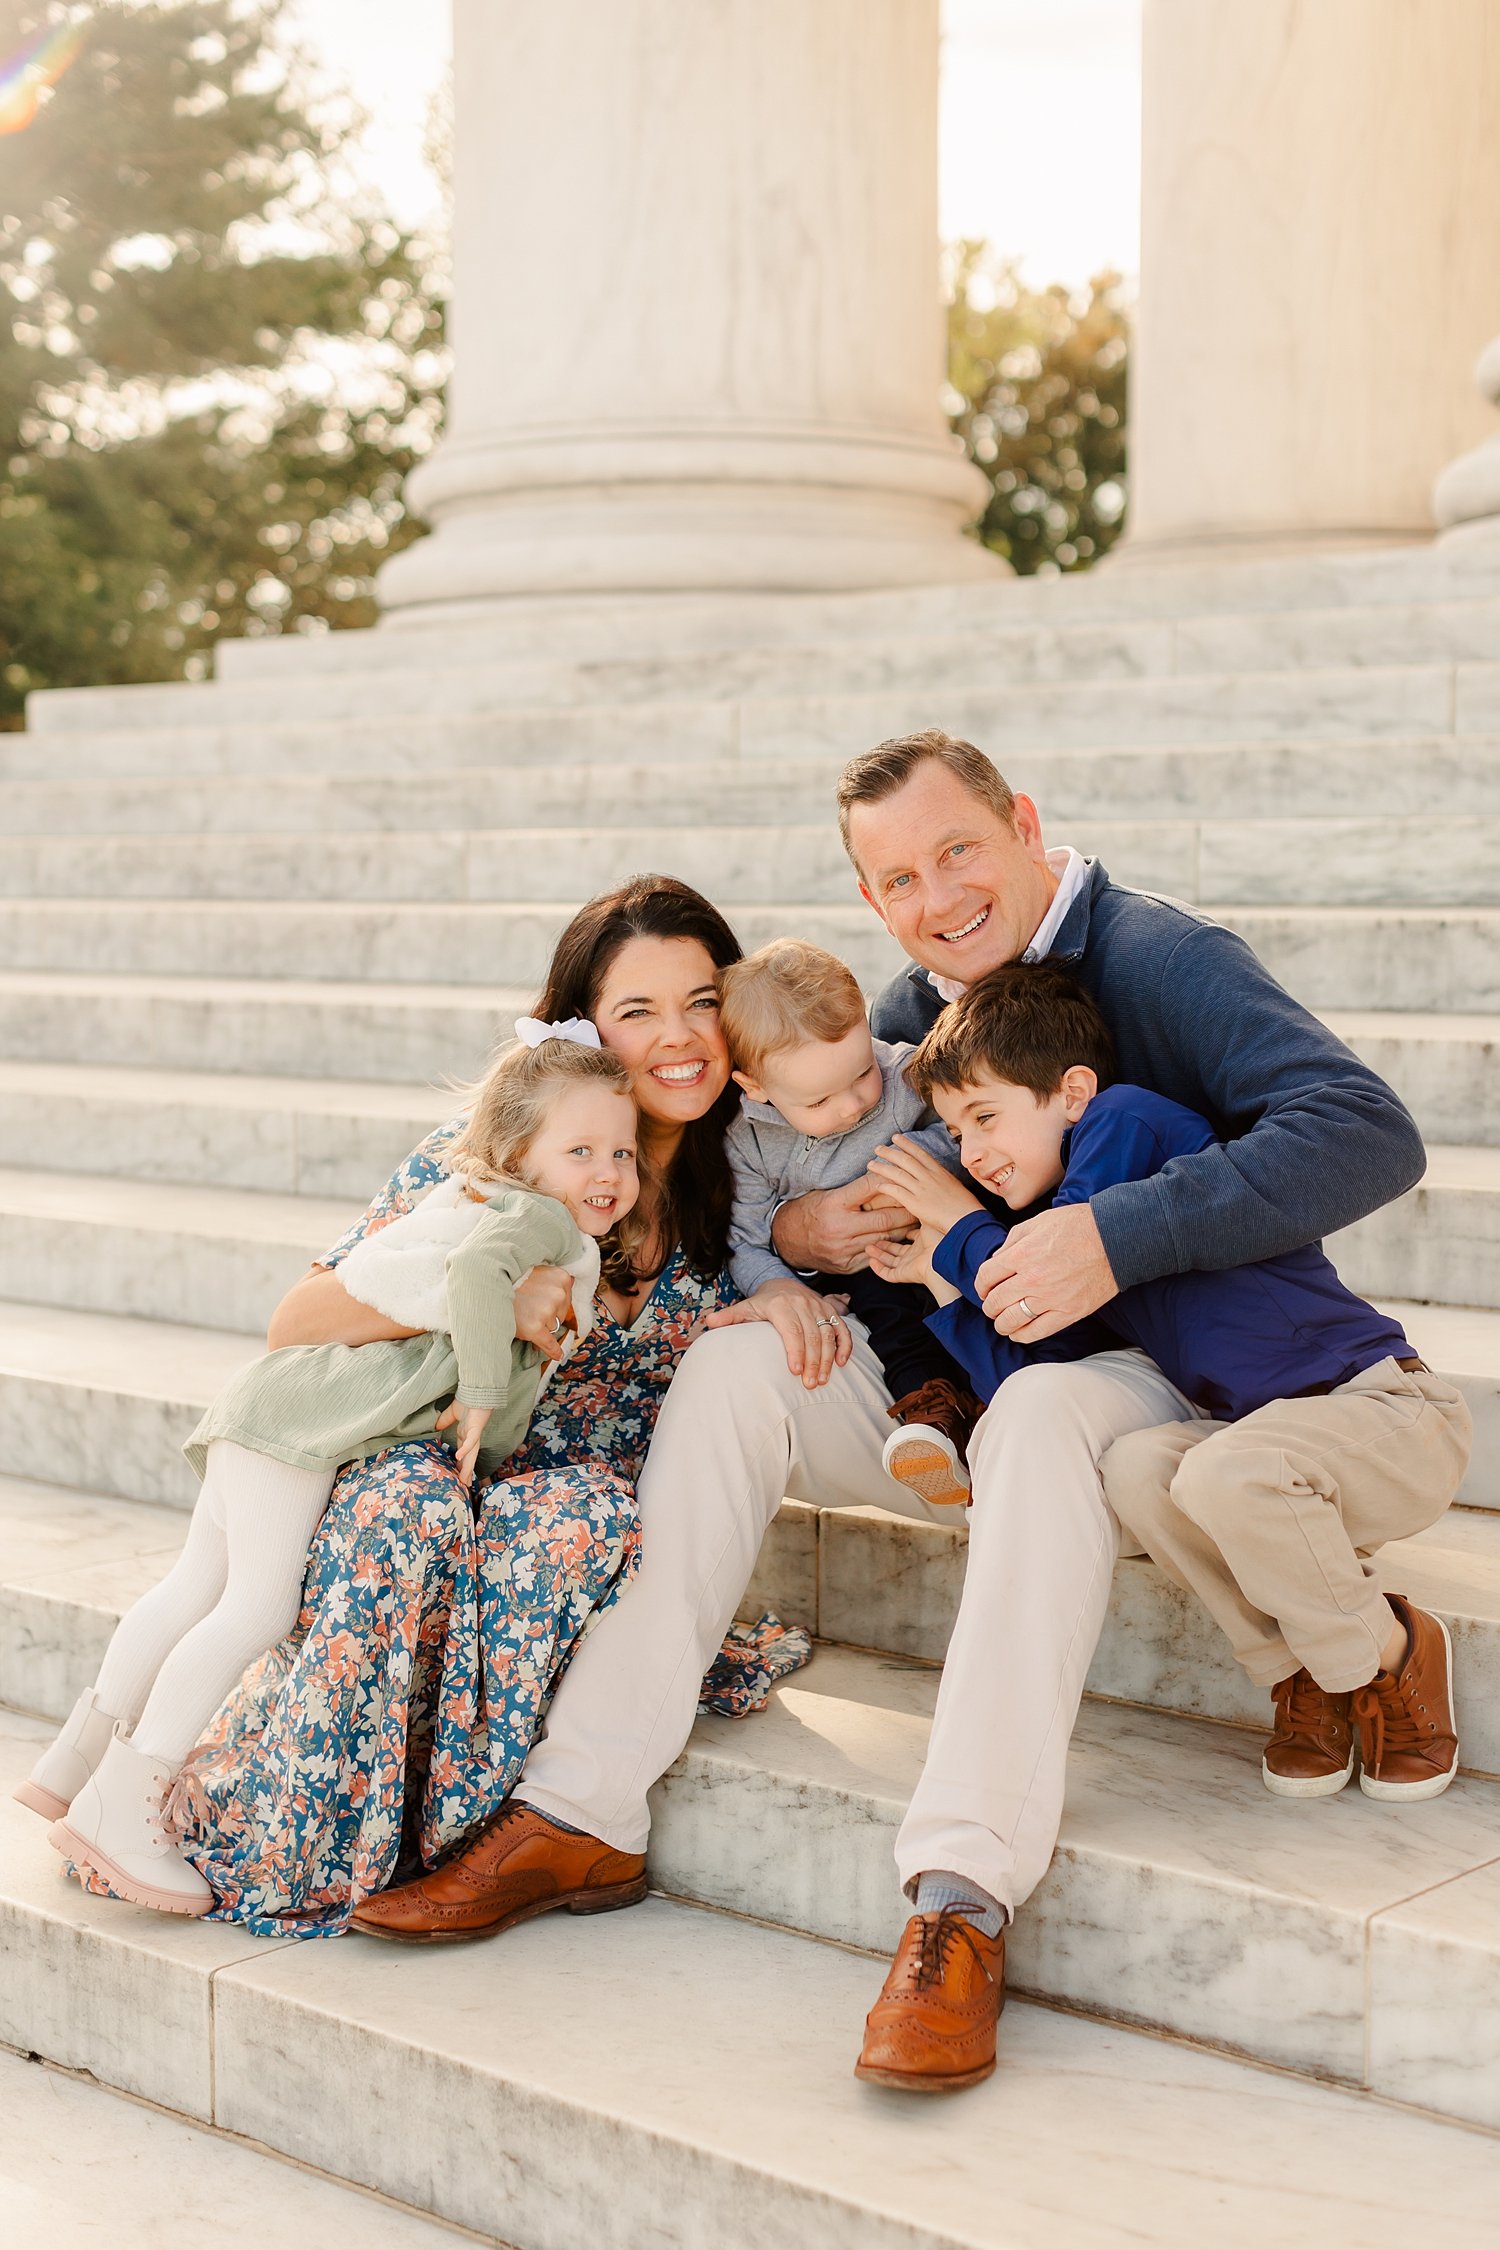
[543, 1309]
[906, 1171]
[470, 1421]
[812, 1328]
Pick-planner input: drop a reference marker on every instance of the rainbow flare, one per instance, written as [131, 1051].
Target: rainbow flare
[34, 66]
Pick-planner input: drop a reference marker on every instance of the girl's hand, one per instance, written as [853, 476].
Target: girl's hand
[812, 1328]
[918, 1181]
[543, 1298]
[470, 1421]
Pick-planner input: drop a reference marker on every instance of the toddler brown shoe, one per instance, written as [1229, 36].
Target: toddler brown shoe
[928, 1453]
[1408, 1744]
[1311, 1750]
[933, 2028]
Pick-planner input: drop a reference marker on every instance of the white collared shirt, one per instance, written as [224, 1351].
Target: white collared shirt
[1072, 872]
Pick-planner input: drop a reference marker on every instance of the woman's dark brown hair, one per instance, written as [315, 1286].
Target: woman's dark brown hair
[696, 1193]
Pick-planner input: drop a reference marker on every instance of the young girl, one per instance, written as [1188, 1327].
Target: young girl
[544, 1172]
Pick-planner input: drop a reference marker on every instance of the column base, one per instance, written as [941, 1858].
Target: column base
[1259, 546]
[644, 540]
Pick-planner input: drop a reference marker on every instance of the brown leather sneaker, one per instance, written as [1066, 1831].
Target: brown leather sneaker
[933, 2028]
[1408, 1744]
[928, 1453]
[1311, 1750]
[518, 1866]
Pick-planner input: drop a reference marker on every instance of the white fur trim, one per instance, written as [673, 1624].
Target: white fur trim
[401, 1269]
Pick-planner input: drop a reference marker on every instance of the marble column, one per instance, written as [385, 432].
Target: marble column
[1466, 496]
[696, 323]
[1320, 265]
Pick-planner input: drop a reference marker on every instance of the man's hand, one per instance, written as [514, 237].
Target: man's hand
[812, 1329]
[1051, 1272]
[831, 1230]
[935, 1198]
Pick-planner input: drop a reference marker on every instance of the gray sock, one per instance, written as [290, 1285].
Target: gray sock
[940, 1889]
[565, 1825]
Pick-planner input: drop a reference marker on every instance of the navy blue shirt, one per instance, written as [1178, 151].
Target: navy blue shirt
[1231, 1341]
[1306, 1138]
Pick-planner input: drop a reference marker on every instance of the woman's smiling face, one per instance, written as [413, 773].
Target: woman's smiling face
[657, 1008]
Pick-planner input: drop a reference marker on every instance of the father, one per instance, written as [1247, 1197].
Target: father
[956, 868]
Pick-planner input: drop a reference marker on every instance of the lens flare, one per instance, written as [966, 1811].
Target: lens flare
[35, 65]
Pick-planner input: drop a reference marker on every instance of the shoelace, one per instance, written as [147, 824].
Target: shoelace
[1301, 1704]
[940, 1932]
[1387, 1722]
[931, 1403]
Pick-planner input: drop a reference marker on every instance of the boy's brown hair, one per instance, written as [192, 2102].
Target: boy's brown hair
[1026, 1025]
[787, 993]
[879, 773]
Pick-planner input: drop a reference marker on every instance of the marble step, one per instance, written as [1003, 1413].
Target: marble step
[1341, 702]
[85, 2166]
[585, 626]
[1182, 1897]
[987, 655]
[75, 1558]
[104, 1401]
[1337, 861]
[72, 1237]
[207, 1257]
[285, 1136]
[334, 780]
[311, 1136]
[1442, 958]
[567, 2084]
[1439, 1243]
[870, 1580]
[400, 1034]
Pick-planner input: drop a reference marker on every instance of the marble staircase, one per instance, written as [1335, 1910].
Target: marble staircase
[247, 928]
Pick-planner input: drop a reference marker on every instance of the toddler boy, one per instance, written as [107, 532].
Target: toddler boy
[1322, 1435]
[819, 1095]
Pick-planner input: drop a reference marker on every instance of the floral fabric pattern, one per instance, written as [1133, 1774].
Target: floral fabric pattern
[397, 1715]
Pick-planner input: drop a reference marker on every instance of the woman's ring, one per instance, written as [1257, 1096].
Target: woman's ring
[831, 1321]
[1023, 1307]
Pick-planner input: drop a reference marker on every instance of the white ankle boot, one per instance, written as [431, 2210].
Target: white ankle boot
[66, 1764]
[114, 1829]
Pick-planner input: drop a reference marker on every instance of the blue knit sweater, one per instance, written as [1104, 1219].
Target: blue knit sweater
[1307, 1138]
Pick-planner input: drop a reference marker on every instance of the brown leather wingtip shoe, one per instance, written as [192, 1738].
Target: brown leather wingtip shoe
[518, 1866]
[932, 2031]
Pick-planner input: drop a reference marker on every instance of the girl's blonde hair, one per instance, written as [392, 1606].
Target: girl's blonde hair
[508, 1109]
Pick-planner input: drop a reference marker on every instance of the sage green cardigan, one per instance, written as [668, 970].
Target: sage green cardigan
[317, 1406]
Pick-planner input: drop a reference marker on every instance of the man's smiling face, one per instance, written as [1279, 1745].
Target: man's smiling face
[960, 890]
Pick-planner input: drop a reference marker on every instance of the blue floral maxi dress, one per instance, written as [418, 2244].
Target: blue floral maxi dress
[399, 1712]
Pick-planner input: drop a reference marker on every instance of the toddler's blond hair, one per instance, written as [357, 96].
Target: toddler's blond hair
[508, 1109]
[785, 995]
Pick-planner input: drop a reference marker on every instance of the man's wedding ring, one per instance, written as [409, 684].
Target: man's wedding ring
[1023, 1307]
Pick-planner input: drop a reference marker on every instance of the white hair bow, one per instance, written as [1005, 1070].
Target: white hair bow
[531, 1031]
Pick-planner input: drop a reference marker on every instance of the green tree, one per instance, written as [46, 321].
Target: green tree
[216, 361]
[1037, 393]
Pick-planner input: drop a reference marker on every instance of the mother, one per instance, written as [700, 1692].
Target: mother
[397, 1717]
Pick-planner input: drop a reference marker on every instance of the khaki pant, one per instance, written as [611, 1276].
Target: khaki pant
[1271, 1521]
[736, 1432]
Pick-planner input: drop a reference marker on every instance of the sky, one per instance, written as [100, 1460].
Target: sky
[1040, 129]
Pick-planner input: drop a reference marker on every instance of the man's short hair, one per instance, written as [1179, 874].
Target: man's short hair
[788, 993]
[1026, 1024]
[880, 772]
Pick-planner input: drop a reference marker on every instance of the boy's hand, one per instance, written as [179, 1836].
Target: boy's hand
[471, 1421]
[1049, 1272]
[912, 1262]
[917, 1180]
